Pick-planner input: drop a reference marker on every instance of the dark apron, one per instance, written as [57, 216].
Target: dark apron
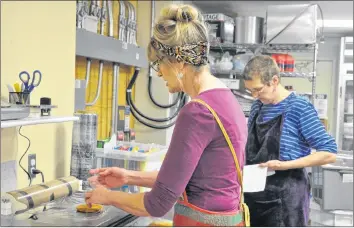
[285, 200]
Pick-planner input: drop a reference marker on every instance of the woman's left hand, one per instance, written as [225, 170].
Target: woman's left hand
[275, 165]
[100, 195]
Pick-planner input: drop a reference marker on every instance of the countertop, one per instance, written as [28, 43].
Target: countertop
[111, 216]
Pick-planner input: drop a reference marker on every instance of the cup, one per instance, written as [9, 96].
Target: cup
[19, 98]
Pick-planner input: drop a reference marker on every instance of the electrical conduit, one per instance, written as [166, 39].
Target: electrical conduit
[102, 18]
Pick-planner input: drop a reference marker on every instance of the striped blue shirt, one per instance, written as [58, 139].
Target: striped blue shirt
[302, 128]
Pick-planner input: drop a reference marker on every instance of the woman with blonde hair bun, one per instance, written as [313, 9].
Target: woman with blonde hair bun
[203, 166]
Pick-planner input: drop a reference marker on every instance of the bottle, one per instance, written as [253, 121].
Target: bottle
[289, 63]
[281, 62]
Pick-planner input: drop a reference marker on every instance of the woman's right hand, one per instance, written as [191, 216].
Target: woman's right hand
[112, 177]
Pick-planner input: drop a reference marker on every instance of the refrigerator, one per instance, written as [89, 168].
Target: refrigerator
[344, 122]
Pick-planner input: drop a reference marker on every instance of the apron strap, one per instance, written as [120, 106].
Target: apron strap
[227, 138]
[185, 199]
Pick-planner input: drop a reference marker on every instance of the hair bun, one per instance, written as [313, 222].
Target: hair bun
[180, 13]
[186, 14]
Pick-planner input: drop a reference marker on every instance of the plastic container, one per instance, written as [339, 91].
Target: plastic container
[134, 151]
[131, 156]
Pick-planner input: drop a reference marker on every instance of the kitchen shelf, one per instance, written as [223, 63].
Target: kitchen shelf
[37, 120]
[282, 74]
[269, 47]
[296, 75]
[100, 47]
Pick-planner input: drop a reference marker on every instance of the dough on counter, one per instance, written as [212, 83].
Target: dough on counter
[161, 223]
[84, 208]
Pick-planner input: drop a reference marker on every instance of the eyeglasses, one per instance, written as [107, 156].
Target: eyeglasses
[256, 91]
[156, 65]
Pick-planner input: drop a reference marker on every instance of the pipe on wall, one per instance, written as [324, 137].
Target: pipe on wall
[102, 17]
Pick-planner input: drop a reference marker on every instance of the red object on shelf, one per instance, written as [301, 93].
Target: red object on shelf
[279, 59]
[292, 64]
[281, 62]
[289, 63]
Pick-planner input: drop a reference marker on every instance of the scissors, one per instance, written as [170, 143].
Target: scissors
[25, 78]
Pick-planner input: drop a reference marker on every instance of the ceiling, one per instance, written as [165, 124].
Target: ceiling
[332, 10]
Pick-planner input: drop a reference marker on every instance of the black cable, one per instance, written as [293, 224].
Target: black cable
[179, 97]
[37, 171]
[159, 120]
[19, 162]
[151, 125]
[135, 111]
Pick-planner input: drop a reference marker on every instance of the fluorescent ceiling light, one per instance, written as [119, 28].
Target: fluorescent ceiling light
[336, 23]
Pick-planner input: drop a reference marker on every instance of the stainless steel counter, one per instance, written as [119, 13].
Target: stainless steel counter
[63, 213]
[112, 216]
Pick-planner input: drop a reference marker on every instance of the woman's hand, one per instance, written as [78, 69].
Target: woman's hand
[112, 177]
[99, 195]
[275, 165]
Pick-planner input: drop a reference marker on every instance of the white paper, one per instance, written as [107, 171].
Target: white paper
[254, 178]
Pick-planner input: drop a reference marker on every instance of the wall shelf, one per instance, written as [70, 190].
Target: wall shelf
[96, 46]
[37, 120]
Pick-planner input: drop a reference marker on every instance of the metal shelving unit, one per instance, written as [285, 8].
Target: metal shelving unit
[276, 48]
[282, 74]
[269, 47]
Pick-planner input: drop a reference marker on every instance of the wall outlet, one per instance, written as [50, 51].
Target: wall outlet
[32, 163]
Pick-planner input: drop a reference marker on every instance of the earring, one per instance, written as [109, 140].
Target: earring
[180, 75]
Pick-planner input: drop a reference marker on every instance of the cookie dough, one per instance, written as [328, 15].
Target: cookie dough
[84, 208]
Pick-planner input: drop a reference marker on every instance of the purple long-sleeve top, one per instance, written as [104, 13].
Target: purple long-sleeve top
[198, 158]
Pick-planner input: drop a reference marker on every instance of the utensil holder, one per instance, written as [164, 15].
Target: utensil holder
[19, 98]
